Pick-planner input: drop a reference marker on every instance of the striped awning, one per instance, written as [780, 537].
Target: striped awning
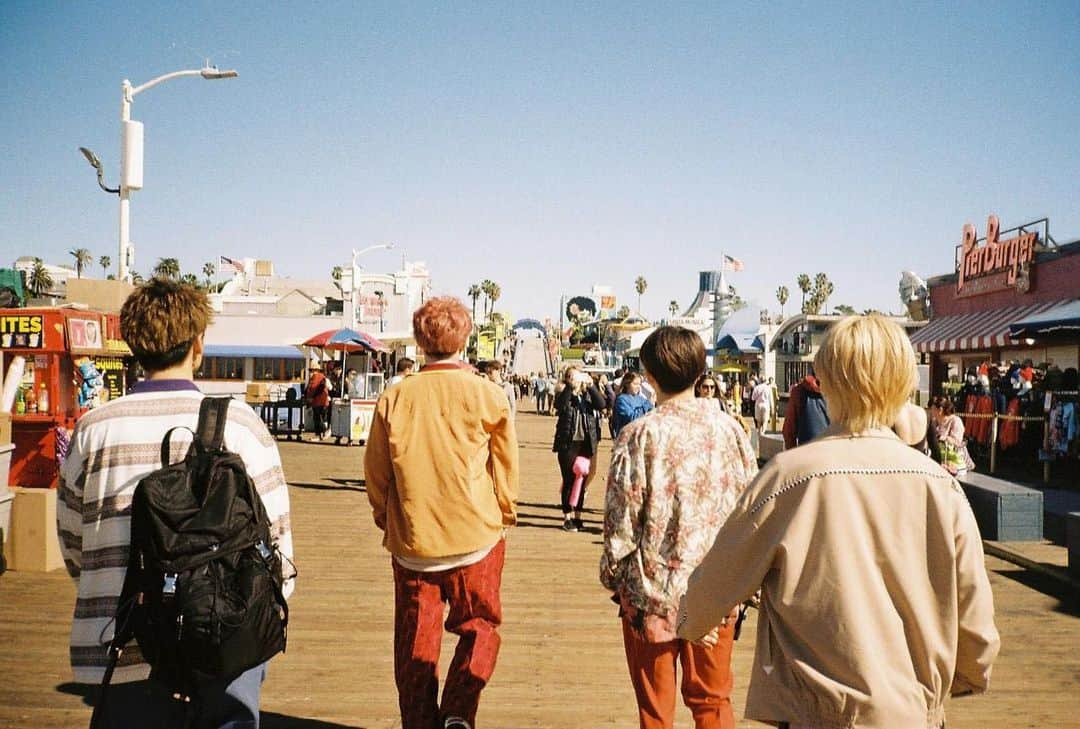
[971, 332]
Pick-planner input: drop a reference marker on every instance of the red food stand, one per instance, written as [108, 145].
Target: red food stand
[54, 342]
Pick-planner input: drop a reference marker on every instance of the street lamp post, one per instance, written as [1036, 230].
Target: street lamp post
[131, 154]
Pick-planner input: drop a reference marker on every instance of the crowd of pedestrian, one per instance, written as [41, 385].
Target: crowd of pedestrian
[859, 551]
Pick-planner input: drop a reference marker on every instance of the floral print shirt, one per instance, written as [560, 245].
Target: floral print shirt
[675, 476]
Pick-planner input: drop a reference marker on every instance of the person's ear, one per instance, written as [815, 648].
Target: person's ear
[197, 348]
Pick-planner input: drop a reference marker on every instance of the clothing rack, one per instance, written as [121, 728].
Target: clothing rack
[1055, 394]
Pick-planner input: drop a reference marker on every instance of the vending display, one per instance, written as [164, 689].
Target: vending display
[63, 352]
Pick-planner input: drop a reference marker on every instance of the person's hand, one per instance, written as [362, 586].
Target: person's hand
[710, 639]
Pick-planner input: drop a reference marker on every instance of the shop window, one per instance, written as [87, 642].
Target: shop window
[274, 368]
[221, 368]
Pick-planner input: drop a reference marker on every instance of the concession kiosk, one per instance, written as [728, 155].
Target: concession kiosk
[352, 404]
[64, 361]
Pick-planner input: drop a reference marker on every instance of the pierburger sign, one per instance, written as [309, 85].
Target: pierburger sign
[990, 264]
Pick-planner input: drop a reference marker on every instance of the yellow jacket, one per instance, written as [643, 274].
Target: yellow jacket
[441, 464]
[875, 603]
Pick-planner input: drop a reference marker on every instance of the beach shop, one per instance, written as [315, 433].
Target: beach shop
[1004, 340]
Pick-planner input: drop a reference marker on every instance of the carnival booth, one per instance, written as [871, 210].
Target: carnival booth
[63, 361]
[352, 406]
[1003, 340]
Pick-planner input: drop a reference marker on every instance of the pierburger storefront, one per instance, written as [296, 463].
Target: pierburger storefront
[1004, 341]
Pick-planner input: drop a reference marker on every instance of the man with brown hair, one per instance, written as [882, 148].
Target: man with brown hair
[675, 476]
[112, 448]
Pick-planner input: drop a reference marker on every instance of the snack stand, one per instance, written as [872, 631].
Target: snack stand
[350, 416]
[74, 360]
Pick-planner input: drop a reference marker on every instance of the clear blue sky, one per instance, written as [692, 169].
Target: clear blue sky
[545, 145]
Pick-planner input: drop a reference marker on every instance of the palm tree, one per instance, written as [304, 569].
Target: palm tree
[494, 293]
[827, 291]
[623, 313]
[83, 258]
[485, 289]
[782, 294]
[803, 282]
[105, 262]
[190, 279]
[167, 268]
[673, 307]
[335, 274]
[474, 294]
[640, 285]
[136, 278]
[845, 310]
[209, 269]
[39, 281]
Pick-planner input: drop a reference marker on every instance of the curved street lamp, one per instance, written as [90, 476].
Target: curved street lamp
[131, 154]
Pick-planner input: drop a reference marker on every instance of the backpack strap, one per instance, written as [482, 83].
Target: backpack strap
[213, 414]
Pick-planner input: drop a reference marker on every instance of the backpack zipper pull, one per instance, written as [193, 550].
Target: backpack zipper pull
[179, 627]
[168, 589]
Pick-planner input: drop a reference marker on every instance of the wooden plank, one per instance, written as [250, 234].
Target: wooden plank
[561, 663]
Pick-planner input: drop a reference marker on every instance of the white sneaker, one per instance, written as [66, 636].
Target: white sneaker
[456, 722]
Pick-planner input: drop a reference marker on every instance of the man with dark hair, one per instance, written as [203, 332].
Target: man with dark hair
[402, 369]
[493, 370]
[675, 476]
[112, 448]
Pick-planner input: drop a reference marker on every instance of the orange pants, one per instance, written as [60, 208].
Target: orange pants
[706, 679]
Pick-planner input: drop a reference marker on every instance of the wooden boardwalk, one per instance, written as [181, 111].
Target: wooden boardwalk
[561, 663]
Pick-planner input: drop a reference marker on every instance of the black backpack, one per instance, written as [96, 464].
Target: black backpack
[202, 594]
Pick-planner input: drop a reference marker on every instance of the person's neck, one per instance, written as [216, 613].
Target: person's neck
[663, 397]
[182, 371]
[452, 359]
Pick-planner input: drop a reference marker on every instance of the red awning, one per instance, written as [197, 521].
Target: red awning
[971, 332]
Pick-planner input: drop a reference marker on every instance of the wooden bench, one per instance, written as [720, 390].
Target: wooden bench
[1004, 511]
[1057, 505]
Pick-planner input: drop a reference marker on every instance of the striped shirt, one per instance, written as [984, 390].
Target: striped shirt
[112, 448]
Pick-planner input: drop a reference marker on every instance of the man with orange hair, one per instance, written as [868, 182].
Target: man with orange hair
[441, 469]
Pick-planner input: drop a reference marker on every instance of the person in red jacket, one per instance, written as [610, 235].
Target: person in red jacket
[806, 417]
[317, 394]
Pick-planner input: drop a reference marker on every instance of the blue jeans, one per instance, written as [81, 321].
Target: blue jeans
[141, 704]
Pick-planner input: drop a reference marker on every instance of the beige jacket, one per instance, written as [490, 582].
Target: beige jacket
[441, 464]
[875, 600]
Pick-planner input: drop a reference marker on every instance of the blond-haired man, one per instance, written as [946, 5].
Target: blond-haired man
[875, 604]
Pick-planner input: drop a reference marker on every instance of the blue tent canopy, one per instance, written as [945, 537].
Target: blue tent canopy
[1060, 319]
[740, 344]
[252, 350]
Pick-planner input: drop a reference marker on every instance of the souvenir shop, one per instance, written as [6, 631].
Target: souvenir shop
[1004, 341]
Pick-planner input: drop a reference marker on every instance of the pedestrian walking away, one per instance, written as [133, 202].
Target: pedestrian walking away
[164, 323]
[674, 478]
[441, 469]
[875, 602]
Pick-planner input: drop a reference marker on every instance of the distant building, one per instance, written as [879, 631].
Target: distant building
[58, 274]
[261, 318]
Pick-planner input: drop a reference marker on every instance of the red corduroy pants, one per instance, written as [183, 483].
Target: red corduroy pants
[706, 679]
[472, 593]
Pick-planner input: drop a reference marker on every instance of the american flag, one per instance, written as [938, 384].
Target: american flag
[733, 264]
[228, 265]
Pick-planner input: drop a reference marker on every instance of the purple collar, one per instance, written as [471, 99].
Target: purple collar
[144, 386]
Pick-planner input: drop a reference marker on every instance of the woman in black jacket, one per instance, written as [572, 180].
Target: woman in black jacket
[577, 434]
